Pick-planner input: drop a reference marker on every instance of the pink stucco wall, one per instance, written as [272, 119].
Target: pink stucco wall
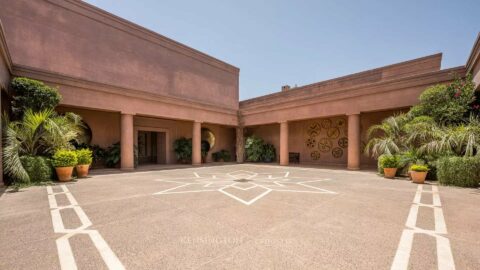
[105, 127]
[5, 69]
[75, 39]
[321, 141]
[473, 62]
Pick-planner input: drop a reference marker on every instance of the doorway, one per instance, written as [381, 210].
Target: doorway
[151, 147]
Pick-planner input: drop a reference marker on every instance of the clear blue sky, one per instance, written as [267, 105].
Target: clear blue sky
[278, 42]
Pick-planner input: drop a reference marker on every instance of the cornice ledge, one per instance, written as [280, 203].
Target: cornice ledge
[144, 33]
[5, 53]
[352, 92]
[474, 54]
[53, 77]
[347, 78]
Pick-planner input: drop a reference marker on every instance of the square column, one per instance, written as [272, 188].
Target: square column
[240, 144]
[353, 142]
[126, 142]
[284, 143]
[197, 143]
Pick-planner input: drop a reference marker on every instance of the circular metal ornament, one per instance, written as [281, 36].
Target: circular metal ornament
[311, 142]
[333, 133]
[326, 123]
[337, 152]
[324, 145]
[315, 155]
[343, 142]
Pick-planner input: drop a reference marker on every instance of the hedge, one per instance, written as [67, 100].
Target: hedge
[459, 171]
[38, 168]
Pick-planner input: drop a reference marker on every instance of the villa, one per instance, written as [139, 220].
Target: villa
[137, 87]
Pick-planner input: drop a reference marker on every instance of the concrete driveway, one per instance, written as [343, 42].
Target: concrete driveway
[240, 217]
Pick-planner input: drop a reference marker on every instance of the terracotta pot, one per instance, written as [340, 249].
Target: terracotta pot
[82, 170]
[64, 174]
[389, 172]
[418, 177]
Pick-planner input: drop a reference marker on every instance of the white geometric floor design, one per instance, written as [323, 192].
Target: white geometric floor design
[260, 184]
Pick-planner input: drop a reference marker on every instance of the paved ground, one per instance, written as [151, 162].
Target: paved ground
[240, 217]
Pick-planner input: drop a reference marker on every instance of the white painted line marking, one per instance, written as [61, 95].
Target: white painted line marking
[107, 254]
[65, 253]
[221, 181]
[440, 225]
[243, 201]
[402, 257]
[444, 252]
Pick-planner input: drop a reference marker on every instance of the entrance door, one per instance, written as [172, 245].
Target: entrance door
[152, 147]
[147, 146]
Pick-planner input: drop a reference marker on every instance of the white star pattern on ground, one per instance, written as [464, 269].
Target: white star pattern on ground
[233, 183]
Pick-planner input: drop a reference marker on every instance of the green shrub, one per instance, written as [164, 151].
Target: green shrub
[388, 161]
[254, 149]
[446, 103]
[84, 156]
[419, 168]
[98, 153]
[183, 149]
[459, 171]
[222, 154]
[112, 155]
[64, 158]
[407, 159]
[269, 153]
[39, 169]
[33, 95]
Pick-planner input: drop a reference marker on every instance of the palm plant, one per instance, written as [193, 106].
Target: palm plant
[38, 133]
[459, 140]
[388, 137]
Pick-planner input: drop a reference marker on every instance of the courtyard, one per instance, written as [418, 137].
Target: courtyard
[242, 216]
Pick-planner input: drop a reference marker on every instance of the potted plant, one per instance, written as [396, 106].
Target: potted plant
[64, 161]
[418, 173]
[221, 156]
[84, 158]
[183, 150]
[254, 149]
[389, 163]
[217, 156]
[269, 153]
[225, 155]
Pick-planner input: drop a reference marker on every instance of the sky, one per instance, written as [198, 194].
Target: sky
[279, 42]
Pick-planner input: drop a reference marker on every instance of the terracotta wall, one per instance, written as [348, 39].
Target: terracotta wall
[4, 82]
[269, 133]
[175, 130]
[4, 74]
[76, 39]
[105, 126]
[321, 141]
[473, 62]
[224, 139]
[224, 136]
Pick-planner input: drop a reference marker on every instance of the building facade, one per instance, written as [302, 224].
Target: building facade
[139, 88]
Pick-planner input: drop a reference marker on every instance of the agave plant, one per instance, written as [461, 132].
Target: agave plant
[38, 133]
[387, 138]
